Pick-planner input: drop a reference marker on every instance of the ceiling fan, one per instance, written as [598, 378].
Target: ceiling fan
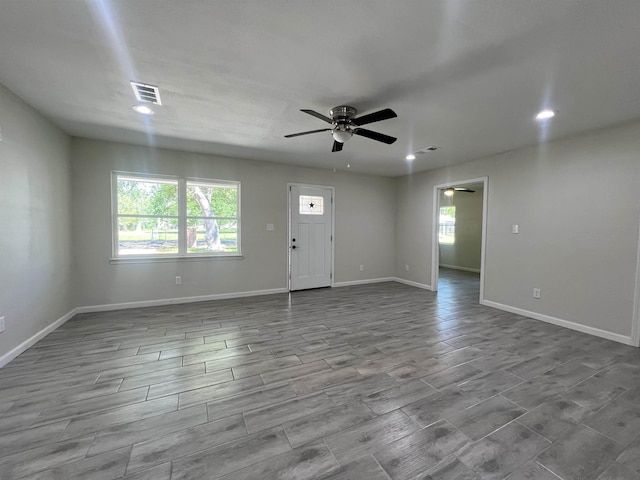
[451, 190]
[344, 125]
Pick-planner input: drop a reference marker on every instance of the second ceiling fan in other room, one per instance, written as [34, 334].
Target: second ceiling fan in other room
[451, 190]
[345, 124]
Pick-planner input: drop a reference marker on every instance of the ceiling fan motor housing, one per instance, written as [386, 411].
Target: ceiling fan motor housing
[343, 113]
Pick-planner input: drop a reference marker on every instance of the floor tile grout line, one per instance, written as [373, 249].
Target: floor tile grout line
[600, 433]
[547, 469]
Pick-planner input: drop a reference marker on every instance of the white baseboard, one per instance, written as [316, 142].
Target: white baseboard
[616, 337]
[14, 352]
[175, 301]
[364, 282]
[413, 284]
[464, 269]
[381, 280]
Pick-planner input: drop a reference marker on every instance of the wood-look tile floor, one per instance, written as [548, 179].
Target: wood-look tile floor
[370, 382]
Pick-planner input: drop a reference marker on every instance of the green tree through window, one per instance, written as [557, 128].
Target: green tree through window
[158, 216]
[447, 225]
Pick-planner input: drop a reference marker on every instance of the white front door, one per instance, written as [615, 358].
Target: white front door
[310, 237]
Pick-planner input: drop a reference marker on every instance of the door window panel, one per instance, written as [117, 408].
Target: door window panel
[311, 205]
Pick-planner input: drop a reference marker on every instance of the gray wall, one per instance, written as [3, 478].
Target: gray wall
[364, 225]
[465, 252]
[577, 203]
[35, 215]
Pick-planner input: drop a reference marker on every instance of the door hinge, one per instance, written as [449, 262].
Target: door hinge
[331, 276]
[331, 238]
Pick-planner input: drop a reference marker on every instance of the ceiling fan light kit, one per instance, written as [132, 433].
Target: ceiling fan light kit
[345, 124]
[341, 134]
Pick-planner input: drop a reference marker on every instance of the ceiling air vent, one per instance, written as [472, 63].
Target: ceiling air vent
[429, 149]
[146, 93]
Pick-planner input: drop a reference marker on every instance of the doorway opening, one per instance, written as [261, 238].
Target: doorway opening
[310, 236]
[459, 233]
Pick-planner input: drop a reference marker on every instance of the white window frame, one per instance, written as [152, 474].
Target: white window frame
[182, 219]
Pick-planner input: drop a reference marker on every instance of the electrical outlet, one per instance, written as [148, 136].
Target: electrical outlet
[361, 268]
[1, 324]
[406, 268]
[178, 280]
[536, 293]
[270, 227]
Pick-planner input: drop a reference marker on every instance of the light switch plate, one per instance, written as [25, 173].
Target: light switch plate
[515, 229]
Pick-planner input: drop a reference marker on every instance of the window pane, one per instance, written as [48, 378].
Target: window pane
[147, 197]
[151, 220]
[447, 225]
[209, 236]
[147, 236]
[207, 200]
[310, 205]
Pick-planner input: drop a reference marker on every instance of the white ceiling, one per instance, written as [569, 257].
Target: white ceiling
[465, 75]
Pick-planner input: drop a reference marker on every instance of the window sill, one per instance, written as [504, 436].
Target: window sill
[174, 258]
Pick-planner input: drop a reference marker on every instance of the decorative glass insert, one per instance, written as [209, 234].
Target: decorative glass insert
[310, 205]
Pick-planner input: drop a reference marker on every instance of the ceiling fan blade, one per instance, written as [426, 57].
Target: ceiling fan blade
[380, 137]
[385, 114]
[307, 133]
[317, 115]
[337, 146]
[462, 189]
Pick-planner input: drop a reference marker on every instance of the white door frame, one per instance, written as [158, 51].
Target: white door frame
[333, 223]
[435, 254]
[635, 325]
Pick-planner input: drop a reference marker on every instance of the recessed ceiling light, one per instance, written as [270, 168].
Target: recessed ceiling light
[143, 109]
[411, 157]
[545, 114]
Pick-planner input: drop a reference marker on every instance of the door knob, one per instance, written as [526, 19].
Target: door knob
[294, 247]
